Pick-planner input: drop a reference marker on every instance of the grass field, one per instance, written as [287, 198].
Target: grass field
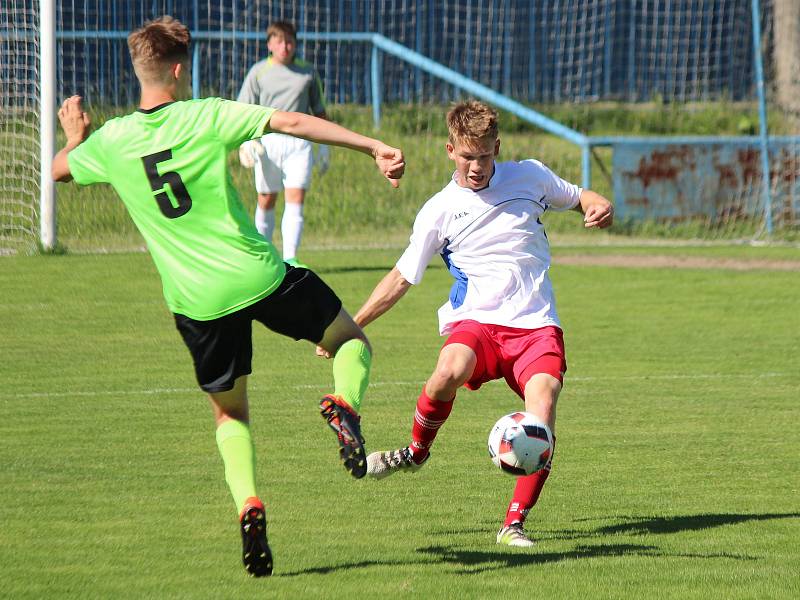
[676, 474]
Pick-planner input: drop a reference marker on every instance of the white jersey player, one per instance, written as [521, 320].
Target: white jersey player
[494, 245]
[500, 318]
[283, 162]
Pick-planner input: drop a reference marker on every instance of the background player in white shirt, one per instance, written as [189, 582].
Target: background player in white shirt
[501, 318]
[283, 162]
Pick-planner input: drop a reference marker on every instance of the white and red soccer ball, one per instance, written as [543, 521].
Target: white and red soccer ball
[520, 444]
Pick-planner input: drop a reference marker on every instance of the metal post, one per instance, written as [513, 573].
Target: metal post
[196, 52]
[418, 44]
[608, 54]
[196, 70]
[533, 93]
[375, 68]
[586, 166]
[632, 89]
[762, 115]
[507, 56]
[47, 123]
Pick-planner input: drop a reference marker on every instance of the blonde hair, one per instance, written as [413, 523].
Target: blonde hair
[282, 28]
[470, 122]
[157, 45]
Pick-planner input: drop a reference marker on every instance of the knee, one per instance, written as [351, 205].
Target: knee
[542, 391]
[224, 411]
[267, 201]
[363, 339]
[336, 346]
[449, 376]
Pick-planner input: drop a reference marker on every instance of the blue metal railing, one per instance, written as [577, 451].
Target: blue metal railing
[489, 95]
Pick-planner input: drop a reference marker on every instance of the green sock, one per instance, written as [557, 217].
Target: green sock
[351, 371]
[236, 448]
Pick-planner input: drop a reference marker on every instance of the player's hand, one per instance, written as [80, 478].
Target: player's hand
[391, 163]
[600, 215]
[322, 160]
[320, 351]
[74, 121]
[250, 152]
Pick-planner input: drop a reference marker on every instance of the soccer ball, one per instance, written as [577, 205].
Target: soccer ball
[520, 444]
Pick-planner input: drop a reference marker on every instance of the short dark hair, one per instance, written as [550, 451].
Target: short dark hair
[283, 28]
[158, 43]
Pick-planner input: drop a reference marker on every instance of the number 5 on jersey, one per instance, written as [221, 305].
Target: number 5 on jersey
[158, 183]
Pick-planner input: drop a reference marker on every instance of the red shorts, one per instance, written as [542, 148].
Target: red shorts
[510, 352]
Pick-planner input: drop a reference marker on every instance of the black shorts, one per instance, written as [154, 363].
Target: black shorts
[301, 307]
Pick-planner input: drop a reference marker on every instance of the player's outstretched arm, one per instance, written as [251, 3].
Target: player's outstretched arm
[597, 211]
[389, 160]
[385, 295]
[75, 124]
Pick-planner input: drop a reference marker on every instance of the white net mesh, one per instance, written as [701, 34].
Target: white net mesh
[19, 125]
[601, 67]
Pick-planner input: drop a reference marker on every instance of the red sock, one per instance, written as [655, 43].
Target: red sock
[527, 492]
[428, 418]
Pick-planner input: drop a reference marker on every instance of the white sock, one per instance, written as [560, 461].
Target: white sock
[291, 229]
[265, 222]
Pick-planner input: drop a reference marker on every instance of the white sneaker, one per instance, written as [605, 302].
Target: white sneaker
[383, 464]
[514, 535]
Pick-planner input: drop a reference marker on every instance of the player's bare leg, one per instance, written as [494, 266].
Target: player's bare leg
[292, 224]
[352, 357]
[231, 415]
[541, 394]
[265, 214]
[454, 367]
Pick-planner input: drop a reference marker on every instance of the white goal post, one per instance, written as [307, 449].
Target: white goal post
[47, 122]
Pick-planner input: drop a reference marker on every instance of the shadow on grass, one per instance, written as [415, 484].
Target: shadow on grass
[477, 561]
[676, 524]
[632, 525]
[474, 561]
[363, 564]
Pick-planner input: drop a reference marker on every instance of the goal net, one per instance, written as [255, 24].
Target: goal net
[19, 126]
[604, 68]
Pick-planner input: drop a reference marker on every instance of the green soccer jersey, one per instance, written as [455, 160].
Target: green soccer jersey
[169, 166]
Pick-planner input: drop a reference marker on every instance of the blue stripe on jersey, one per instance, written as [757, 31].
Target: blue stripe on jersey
[459, 290]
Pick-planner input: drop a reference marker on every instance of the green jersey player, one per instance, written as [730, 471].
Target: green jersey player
[167, 161]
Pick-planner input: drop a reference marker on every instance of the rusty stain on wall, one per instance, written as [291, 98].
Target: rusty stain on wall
[671, 182]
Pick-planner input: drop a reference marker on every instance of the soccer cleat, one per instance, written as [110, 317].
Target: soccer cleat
[256, 555]
[293, 262]
[383, 464]
[346, 423]
[514, 535]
